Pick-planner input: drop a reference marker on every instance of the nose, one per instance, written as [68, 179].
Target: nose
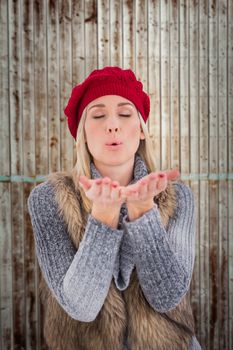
[112, 130]
[112, 125]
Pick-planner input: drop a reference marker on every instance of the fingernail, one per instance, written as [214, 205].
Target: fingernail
[106, 182]
[114, 185]
[161, 175]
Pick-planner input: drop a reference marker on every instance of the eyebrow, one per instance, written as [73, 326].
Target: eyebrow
[119, 104]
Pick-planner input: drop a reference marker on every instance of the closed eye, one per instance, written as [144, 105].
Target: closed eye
[98, 116]
[121, 115]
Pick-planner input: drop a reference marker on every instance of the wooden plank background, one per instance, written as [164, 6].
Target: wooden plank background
[183, 53]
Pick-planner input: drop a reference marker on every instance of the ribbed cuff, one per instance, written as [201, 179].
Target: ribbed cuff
[140, 230]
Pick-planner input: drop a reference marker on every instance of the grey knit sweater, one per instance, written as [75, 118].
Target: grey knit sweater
[80, 279]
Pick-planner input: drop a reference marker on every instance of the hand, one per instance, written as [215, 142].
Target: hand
[149, 186]
[103, 191]
[140, 196]
[106, 197]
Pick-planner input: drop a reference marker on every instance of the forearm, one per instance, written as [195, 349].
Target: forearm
[88, 278]
[162, 277]
[75, 277]
[164, 257]
[124, 263]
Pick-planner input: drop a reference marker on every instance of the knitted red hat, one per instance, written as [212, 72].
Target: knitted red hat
[106, 81]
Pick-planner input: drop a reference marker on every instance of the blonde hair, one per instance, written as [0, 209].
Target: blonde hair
[84, 158]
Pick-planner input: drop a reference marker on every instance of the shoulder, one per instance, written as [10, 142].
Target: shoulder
[183, 190]
[45, 192]
[47, 199]
[41, 192]
[42, 198]
[184, 195]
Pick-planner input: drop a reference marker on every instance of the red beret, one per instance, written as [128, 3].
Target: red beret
[101, 82]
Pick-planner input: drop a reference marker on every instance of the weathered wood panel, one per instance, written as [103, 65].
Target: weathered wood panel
[4, 93]
[213, 168]
[183, 53]
[78, 46]
[53, 86]
[222, 165]
[184, 81]
[194, 144]
[203, 208]
[103, 33]
[115, 24]
[18, 267]
[6, 314]
[141, 38]
[174, 85]
[165, 86]
[65, 70]
[6, 280]
[40, 86]
[154, 75]
[128, 34]
[230, 167]
[90, 39]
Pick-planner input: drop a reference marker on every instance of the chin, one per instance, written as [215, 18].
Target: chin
[118, 159]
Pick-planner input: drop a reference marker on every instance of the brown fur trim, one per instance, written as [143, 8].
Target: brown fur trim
[70, 207]
[124, 313]
[166, 201]
[149, 329]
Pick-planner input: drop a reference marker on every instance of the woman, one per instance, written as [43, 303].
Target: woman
[114, 237]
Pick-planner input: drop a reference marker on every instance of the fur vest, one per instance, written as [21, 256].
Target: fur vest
[125, 316]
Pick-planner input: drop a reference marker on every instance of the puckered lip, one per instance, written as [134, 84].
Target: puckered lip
[113, 142]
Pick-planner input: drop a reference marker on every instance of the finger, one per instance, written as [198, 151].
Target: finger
[95, 190]
[85, 182]
[162, 181]
[115, 191]
[152, 183]
[143, 188]
[132, 194]
[130, 189]
[106, 187]
[173, 174]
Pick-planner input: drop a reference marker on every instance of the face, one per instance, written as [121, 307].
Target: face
[112, 130]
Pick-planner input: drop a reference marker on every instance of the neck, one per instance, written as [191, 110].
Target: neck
[123, 173]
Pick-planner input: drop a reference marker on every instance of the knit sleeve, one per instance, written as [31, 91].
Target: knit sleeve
[79, 279]
[164, 258]
[124, 264]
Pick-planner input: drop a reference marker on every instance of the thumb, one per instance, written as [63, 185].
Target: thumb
[84, 182]
[173, 174]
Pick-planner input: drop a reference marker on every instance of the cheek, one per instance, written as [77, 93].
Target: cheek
[90, 132]
[134, 131]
